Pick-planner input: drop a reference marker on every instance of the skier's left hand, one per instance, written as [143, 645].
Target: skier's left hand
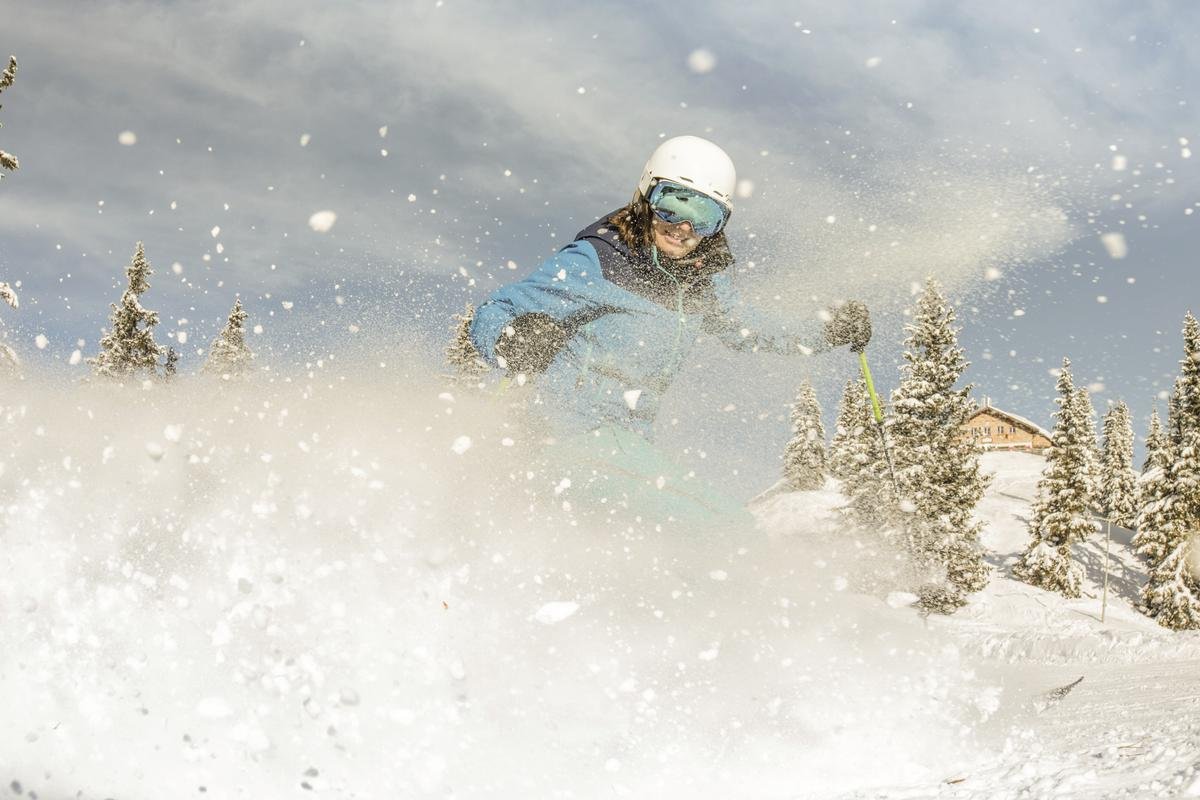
[849, 323]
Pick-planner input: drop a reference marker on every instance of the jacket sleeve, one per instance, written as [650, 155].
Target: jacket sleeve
[740, 327]
[559, 288]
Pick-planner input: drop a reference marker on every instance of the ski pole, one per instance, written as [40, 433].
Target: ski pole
[877, 411]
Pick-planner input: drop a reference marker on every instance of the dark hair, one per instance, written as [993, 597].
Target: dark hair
[635, 225]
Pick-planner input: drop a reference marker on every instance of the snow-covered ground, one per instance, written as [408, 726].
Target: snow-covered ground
[354, 587]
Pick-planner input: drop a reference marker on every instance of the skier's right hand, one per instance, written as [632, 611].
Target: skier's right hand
[530, 343]
[849, 323]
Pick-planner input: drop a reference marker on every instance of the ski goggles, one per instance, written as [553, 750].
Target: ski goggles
[675, 203]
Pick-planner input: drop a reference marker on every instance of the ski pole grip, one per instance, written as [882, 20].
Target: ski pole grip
[866, 373]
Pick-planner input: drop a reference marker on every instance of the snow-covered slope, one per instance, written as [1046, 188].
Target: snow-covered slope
[1130, 728]
[356, 586]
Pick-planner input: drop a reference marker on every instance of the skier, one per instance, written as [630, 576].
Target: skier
[602, 327]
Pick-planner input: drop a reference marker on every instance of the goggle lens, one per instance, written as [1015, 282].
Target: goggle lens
[674, 204]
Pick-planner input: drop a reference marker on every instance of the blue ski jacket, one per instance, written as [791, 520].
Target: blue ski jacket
[629, 326]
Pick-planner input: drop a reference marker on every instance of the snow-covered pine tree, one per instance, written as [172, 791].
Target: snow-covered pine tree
[1186, 465]
[804, 458]
[170, 363]
[1172, 594]
[1155, 495]
[1175, 416]
[1085, 412]
[229, 356]
[937, 468]
[856, 457]
[466, 364]
[9, 363]
[842, 455]
[128, 349]
[1060, 513]
[7, 160]
[1117, 486]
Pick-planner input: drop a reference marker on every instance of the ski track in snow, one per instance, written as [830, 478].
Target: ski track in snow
[304, 587]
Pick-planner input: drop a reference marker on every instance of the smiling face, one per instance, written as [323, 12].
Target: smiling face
[674, 241]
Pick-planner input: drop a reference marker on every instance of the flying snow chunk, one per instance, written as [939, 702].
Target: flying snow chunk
[991, 274]
[75, 358]
[9, 296]
[701, 61]
[216, 231]
[383, 132]
[873, 62]
[173, 433]
[154, 450]
[461, 445]
[305, 139]
[322, 221]
[901, 599]
[1114, 243]
[213, 708]
[744, 188]
[1119, 163]
[41, 341]
[631, 398]
[127, 138]
[718, 575]
[557, 611]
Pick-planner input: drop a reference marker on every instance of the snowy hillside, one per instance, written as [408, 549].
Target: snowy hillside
[357, 587]
[1131, 728]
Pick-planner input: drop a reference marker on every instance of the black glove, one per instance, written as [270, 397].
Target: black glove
[533, 344]
[849, 324]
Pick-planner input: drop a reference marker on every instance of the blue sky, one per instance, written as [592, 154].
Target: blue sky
[988, 144]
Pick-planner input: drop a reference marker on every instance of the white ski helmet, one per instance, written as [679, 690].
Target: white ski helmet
[694, 162]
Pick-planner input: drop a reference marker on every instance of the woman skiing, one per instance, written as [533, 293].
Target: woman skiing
[602, 327]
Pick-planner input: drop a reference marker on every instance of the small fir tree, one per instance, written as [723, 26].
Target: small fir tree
[170, 364]
[1172, 594]
[1175, 415]
[7, 160]
[1156, 502]
[1117, 496]
[856, 457]
[466, 364]
[9, 363]
[229, 356]
[804, 458]
[938, 469]
[1186, 464]
[128, 349]
[1060, 513]
[1116, 486]
[1085, 413]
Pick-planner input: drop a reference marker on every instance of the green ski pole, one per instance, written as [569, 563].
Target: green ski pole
[877, 411]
